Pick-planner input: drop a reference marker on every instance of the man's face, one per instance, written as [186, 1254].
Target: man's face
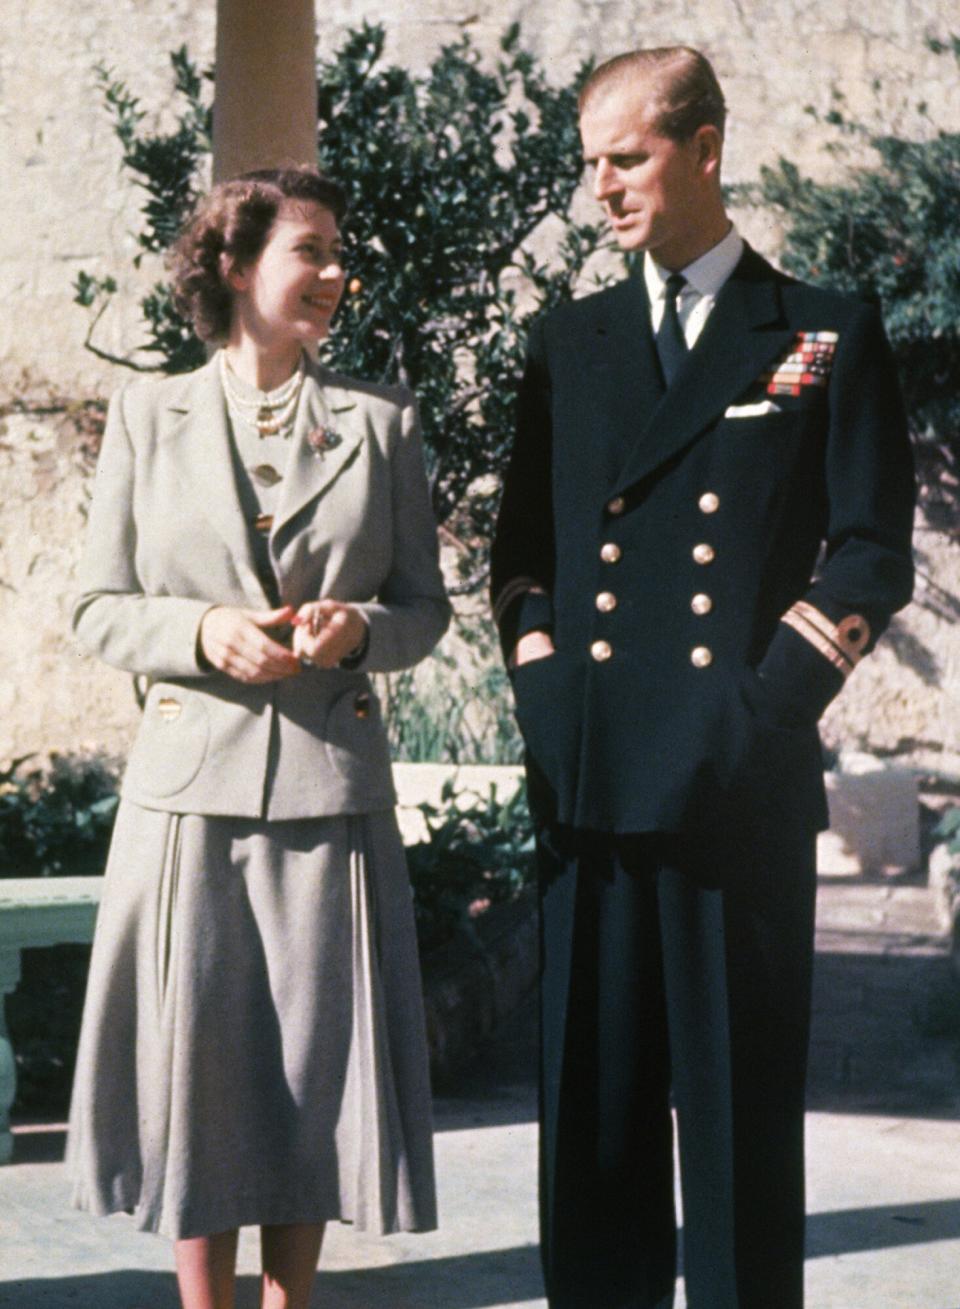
[656, 192]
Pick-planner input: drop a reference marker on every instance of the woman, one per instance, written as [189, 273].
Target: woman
[260, 539]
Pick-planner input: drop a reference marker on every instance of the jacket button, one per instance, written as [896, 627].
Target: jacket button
[703, 553]
[701, 656]
[601, 651]
[610, 552]
[606, 602]
[709, 502]
[616, 505]
[701, 604]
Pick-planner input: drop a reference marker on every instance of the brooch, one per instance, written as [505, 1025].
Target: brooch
[322, 439]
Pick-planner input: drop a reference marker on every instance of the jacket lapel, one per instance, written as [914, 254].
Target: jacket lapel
[327, 438]
[745, 330]
[199, 438]
[615, 374]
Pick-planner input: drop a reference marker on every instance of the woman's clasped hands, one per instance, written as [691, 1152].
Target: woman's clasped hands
[326, 631]
[243, 642]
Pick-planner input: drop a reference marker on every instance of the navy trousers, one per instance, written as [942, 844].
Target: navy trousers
[655, 992]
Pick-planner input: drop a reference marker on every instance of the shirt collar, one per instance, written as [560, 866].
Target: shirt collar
[705, 275]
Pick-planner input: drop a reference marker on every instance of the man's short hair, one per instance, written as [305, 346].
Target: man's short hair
[685, 92]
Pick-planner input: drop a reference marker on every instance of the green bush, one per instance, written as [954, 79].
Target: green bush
[439, 721]
[889, 230]
[56, 816]
[457, 706]
[450, 174]
[478, 852]
[947, 831]
[168, 166]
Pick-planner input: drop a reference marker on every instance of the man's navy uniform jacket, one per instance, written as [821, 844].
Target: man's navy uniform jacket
[711, 561]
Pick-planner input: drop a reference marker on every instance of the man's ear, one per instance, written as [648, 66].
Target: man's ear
[235, 277]
[709, 147]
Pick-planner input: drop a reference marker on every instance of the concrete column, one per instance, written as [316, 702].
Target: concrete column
[265, 112]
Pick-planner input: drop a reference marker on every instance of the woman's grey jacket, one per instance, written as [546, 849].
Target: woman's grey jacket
[168, 539]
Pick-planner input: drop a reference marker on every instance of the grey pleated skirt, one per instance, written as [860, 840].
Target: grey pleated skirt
[253, 1046]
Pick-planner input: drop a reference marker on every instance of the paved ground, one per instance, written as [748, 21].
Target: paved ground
[884, 1160]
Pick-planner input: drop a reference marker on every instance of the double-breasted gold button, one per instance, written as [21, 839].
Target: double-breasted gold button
[701, 656]
[610, 552]
[701, 603]
[606, 602]
[703, 553]
[616, 505]
[601, 651]
[709, 502]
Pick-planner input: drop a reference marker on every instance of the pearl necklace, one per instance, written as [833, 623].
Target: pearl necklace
[270, 412]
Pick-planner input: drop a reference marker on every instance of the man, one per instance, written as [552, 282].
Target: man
[687, 442]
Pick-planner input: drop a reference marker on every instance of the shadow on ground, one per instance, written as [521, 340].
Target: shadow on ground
[884, 1227]
[470, 1281]
[477, 1280]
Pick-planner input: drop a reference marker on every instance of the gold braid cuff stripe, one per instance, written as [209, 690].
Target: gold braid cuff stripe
[842, 643]
[516, 587]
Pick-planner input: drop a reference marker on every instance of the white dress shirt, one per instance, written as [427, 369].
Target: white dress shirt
[705, 276]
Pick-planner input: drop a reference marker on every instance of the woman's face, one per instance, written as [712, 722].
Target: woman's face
[290, 291]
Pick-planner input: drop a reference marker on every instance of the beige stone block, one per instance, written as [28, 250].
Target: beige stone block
[423, 784]
[874, 825]
[903, 699]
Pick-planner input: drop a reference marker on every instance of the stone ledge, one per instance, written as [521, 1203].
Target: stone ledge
[418, 784]
[874, 824]
[38, 911]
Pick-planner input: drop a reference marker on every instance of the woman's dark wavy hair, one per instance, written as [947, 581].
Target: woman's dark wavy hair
[235, 219]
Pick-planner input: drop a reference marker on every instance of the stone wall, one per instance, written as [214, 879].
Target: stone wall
[904, 699]
[64, 207]
[51, 697]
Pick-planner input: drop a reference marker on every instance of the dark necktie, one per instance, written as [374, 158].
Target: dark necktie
[671, 343]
